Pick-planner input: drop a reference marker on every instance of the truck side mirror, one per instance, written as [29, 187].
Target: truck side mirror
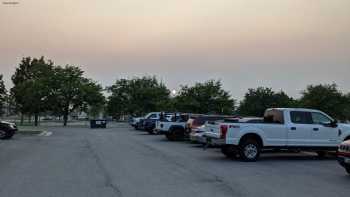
[334, 124]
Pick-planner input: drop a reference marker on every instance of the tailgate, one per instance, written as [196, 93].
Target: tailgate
[212, 130]
[161, 125]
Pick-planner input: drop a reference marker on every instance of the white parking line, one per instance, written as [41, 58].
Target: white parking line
[45, 133]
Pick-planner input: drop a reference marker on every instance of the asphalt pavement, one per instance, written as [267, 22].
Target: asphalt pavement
[122, 162]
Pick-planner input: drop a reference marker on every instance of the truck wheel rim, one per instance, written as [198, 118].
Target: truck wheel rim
[250, 151]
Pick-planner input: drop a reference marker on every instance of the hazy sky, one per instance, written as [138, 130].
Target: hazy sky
[283, 44]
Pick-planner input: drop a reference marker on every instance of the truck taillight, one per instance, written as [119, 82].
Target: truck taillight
[223, 131]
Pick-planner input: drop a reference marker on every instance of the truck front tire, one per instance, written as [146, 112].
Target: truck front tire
[249, 150]
[170, 136]
[175, 135]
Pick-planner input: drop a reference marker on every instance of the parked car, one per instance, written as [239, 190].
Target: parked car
[197, 131]
[195, 123]
[285, 128]
[344, 155]
[197, 135]
[130, 120]
[198, 124]
[7, 130]
[134, 122]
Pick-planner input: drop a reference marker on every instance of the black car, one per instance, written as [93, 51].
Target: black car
[7, 130]
[344, 155]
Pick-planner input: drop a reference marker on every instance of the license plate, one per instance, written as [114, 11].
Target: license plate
[347, 160]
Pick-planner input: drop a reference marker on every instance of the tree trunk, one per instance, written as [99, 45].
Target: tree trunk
[22, 118]
[36, 119]
[65, 117]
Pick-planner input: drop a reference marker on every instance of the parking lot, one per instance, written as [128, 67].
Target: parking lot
[119, 161]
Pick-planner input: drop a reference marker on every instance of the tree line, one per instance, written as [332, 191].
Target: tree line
[140, 95]
[325, 97]
[40, 87]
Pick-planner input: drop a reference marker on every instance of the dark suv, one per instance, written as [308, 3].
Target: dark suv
[344, 155]
[7, 130]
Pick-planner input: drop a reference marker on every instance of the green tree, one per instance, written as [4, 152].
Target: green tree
[71, 91]
[207, 97]
[93, 99]
[119, 102]
[347, 107]
[3, 94]
[137, 96]
[256, 101]
[32, 86]
[327, 98]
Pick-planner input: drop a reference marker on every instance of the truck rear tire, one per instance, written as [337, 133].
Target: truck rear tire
[150, 132]
[249, 150]
[170, 136]
[229, 151]
[175, 135]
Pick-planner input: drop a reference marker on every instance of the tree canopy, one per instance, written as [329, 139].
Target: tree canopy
[3, 94]
[32, 86]
[137, 96]
[207, 97]
[71, 91]
[40, 86]
[256, 101]
[327, 98]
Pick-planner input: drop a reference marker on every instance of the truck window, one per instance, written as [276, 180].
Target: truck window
[299, 117]
[274, 116]
[318, 118]
[152, 116]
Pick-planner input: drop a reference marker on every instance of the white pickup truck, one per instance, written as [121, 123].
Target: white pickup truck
[282, 128]
[172, 129]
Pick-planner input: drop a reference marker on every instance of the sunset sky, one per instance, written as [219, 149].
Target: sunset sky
[283, 44]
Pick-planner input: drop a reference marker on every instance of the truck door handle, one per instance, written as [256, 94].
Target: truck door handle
[316, 129]
[293, 128]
